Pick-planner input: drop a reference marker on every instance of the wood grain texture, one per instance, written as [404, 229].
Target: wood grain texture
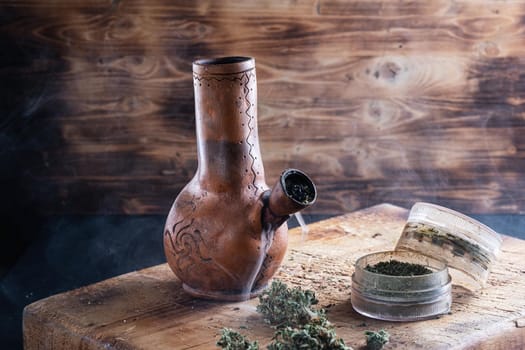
[148, 309]
[397, 101]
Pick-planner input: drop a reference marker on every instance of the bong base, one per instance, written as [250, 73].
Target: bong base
[224, 296]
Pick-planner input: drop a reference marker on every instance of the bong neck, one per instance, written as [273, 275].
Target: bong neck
[226, 123]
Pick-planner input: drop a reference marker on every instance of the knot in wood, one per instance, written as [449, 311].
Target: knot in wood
[388, 71]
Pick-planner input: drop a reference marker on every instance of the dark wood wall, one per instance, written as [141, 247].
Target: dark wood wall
[379, 101]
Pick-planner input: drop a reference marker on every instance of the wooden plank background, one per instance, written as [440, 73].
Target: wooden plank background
[379, 101]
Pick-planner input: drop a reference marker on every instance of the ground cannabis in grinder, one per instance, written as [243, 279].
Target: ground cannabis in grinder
[398, 268]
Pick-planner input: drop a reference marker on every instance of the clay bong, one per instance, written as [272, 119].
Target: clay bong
[226, 233]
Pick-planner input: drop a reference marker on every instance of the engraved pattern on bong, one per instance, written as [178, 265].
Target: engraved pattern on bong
[186, 245]
[246, 79]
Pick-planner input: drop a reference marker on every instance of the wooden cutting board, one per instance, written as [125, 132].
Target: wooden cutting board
[148, 309]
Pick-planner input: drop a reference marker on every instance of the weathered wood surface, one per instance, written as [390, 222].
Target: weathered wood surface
[397, 101]
[148, 309]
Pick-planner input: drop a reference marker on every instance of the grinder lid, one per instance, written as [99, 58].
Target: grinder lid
[467, 246]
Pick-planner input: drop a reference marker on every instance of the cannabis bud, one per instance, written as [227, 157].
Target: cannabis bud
[376, 340]
[232, 340]
[287, 307]
[298, 325]
[318, 335]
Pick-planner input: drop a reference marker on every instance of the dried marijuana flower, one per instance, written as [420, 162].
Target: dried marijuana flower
[287, 307]
[232, 340]
[318, 335]
[376, 340]
[299, 326]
